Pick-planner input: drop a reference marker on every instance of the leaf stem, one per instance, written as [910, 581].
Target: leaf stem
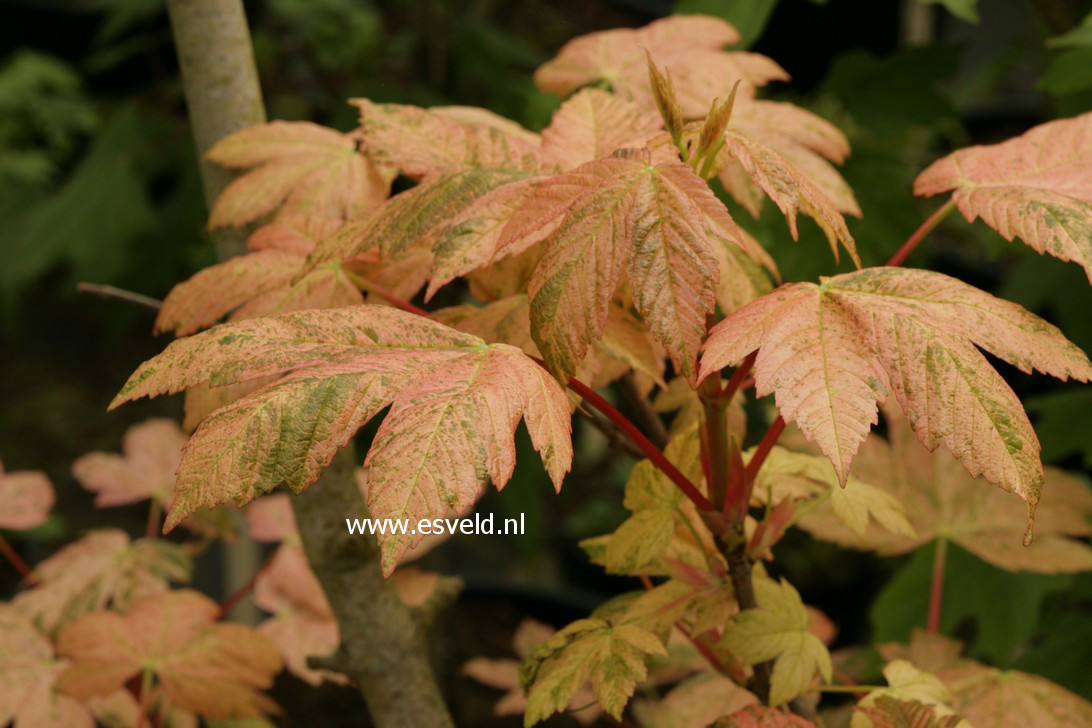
[155, 510]
[386, 295]
[104, 291]
[847, 688]
[244, 589]
[16, 561]
[648, 417]
[765, 446]
[923, 230]
[936, 591]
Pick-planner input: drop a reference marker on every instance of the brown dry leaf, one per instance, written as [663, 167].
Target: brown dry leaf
[831, 351]
[689, 47]
[26, 497]
[1036, 187]
[990, 698]
[150, 455]
[941, 498]
[213, 669]
[303, 168]
[101, 569]
[28, 672]
[456, 404]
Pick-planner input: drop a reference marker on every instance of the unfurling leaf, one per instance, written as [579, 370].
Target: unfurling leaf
[101, 569]
[456, 404]
[941, 498]
[778, 630]
[209, 668]
[26, 497]
[611, 656]
[831, 351]
[689, 46]
[303, 168]
[656, 221]
[1036, 187]
[663, 93]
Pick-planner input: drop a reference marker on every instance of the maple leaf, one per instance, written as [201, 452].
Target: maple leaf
[151, 452]
[303, 168]
[264, 282]
[1037, 187]
[907, 684]
[101, 569]
[696, 702]
[591, 125]
[302, 624]
[656, 220]
[941, 498]
[503, 674]
[209, 668]
[831, 351]
[888, 712]
[455, 404]
[26, 497]
[990, 698]
[28, 672]
[689, 46]
[778, 630]
[611, 656]
[791, 189]
[762, 716]
[420, 142]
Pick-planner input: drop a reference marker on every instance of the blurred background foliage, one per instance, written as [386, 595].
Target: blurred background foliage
[98, 182]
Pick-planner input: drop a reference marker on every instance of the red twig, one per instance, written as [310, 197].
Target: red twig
[923, 230]
[739, 378]
[652, 452]
[239, 594]
[16, 561]
[936, 591]
[764, 447]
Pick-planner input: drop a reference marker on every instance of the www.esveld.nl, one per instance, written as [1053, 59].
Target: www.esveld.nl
[431, 526]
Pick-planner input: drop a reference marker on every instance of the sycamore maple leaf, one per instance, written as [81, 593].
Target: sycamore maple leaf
[907, 684]
[592, 124]
[145, 470]
[1037, 187]
[28, 673]
[779, 630]
[762, 716]
[696, 702]
[611, 656]
[831, 351]
[101, 569]
[888, 712]
[990, 698]
[303, 168]
[26, 497]
[689, 46]
[455, 404]
[209, 668]
[657, 221]
[941, 498]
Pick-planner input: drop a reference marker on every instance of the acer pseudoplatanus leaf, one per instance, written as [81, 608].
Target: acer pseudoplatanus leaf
[830, 351]
[455, 403]
[658, 221]
[1036, 187]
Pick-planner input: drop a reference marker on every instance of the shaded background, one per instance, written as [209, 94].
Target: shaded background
[98, 182]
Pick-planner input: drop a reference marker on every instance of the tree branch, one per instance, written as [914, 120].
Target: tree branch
[383, 649]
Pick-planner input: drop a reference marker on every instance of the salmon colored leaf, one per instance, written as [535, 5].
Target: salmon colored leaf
[762, 716]
[790, 189]
[941, 499]
[456, 403]
[28, 675]
[303, 168]
[656, 221]
[689, 46]
[888, 712]
[696, 702]
[592, 124]
[145, 470]
[419, 142]
[831, 351]
[26, 497]
[102, 569]
[212, 669]
[1036, 187]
